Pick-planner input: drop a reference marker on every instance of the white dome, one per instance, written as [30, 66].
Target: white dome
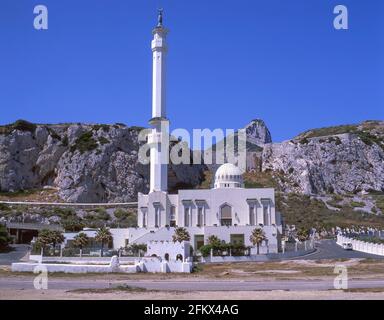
[228, 176]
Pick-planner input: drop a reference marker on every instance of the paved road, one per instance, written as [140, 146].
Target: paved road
[328, 249]
[20, 250]
[180, 285]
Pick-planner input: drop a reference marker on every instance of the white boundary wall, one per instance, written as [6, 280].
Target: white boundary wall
[144, 265]
[358, 245]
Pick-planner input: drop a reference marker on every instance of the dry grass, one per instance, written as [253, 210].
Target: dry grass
[32, 195]
[121, 288]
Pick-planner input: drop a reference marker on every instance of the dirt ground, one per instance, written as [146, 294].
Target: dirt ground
[197, 295]
[265, 271]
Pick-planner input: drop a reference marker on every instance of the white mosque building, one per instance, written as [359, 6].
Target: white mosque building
[228, 210]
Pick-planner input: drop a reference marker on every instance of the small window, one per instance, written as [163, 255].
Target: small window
[157, 216]
[186, 216]
[251, 215]
[199, 216]
[172, 218]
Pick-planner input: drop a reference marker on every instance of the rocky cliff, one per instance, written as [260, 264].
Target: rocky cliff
[86, 163]
[99, 163]
[343, 159]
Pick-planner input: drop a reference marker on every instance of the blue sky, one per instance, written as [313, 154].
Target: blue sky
[229, 62]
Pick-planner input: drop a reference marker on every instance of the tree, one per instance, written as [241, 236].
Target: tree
[257, 237]
[214, 241]
[57, 237]
[302, 234]
[180, 235]
[80, 241]
[103, 236]
[5, 239]
[44, 238]
[72, 224]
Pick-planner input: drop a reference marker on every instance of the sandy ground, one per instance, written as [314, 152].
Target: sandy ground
[269, 271]
[198, 295]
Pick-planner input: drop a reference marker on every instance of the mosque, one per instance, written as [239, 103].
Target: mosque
[227, 210]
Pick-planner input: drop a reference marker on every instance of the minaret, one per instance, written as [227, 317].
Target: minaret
[159, 151]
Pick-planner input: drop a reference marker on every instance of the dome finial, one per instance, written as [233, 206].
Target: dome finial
[160, 18]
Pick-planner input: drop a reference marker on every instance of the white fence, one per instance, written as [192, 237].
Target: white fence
[358, 245]
[147, 264]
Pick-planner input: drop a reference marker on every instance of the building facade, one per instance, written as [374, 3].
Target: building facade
[227, 210]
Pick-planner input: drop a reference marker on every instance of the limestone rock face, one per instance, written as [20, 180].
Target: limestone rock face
[86, 163]
[348, 162]
[99, 163]
[258, 133]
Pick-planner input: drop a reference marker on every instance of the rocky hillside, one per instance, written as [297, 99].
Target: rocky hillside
[343, 159]
[99, 163]
[86, 163]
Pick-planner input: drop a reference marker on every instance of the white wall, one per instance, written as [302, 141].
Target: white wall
[161, 248]
[358, 245]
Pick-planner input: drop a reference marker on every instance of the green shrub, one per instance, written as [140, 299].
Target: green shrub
[380, 203]
[357, 204]
[85, 143]
[104, 127]
[64, 213]
[53, 134]
[64, 141]
[103, 140]
[5, 238]
[205, 250]
[4, 207]
[72, 224]
[24, 125]
[302, 211]
[370, 139]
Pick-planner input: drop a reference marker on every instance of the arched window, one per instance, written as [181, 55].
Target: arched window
[179, 257]
[166, 256]
[226, 215]
[157, 216]
[252, 220]
[144, 216]
[172, 218]
[186, 216]
[199, 216]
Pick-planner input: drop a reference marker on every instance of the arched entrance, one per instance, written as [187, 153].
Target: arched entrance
[179, 257]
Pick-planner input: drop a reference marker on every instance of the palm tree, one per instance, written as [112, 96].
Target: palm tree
[257, 237]
[5, 239]
[302, 234]
[104, 236]
[80, 241]
[180, 235]
[57, 237]
[44, 238]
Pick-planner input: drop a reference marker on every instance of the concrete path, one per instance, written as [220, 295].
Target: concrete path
[18, 252]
